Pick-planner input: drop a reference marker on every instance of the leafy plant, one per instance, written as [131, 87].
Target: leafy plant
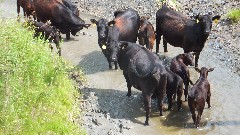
[234, 15]
[36, 95]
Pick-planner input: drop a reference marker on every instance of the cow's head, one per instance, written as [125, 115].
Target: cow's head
[143, 19]
[113, 43]
[204, 71]
[188, 59]
[206, 22]
[102, 28]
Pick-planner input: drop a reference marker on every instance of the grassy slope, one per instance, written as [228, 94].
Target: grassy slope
[36, 96]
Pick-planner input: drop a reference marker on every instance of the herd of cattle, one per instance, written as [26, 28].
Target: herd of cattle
[141, 67]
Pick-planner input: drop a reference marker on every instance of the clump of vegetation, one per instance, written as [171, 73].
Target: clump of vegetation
[36, 95]
[234, 15]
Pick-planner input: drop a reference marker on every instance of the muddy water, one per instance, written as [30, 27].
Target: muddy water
[110, 88]
[222, 118]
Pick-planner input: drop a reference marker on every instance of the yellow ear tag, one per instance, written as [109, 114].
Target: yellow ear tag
[216, 21]
[197, 21]
[94, 25]
[104, 47]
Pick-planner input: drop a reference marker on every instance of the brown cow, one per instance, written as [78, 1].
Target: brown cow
[61, 16]
[199, 94]
[146, 34]
[28, 8]
[179, 66]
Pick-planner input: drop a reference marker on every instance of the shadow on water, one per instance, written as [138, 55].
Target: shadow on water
[94, 62]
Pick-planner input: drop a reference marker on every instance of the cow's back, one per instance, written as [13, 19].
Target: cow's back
[128, 24]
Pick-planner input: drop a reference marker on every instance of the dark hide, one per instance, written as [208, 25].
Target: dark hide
[146, 34]
[125, 28]
[47, 32]
[199, 94]
[179, 65]
[28, 8]
[102, 28]
[143, 70]
[60, 16]
[174, 86]
[180, 31]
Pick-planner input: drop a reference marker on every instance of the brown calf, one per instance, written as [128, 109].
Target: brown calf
[199, 94]
[146, 34]
[179, 65]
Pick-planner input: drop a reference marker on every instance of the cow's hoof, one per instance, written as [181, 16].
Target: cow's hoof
[210, 106]
[146, 123]
[129, 95]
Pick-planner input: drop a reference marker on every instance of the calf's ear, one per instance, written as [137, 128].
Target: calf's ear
[111, 23]
[216, 18]
[123, 45]
[211, 69]
[197, 69]
[94, 21]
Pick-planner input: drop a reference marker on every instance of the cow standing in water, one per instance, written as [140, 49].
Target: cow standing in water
[144, 71]
[179, 65]
[60, 15]
[199, 94]
[146, 34]
[123, 28]
[180, 31]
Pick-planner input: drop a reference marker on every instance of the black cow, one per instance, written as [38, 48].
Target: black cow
[71, 6]
[60, 16]
[174, 86]
[125, 28]
[143, 70]
[199, 94]
[180, 31]
[102, 28]
[47, 32]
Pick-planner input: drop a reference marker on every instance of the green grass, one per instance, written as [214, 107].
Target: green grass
[36, 95]
[234, 15]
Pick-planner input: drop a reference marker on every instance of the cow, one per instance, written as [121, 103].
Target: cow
[180, 31]
[71, 6]
[199, 94]
[174, 86]
[27, 6]
[102, 29]
[60, 15]
[47, 32]
[123, 28]
[146, 34]
[144, 71]
[179, 65]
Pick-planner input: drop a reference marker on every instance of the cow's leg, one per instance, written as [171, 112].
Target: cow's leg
[116, 65]
[147, 104]
[179, 98]
[162, 91]
[200, 111]
[68, 35]
[158, 38]
[196, 58]
[170, 101]
[186, 83]
[165, 45]
[148, 44]
[18, 9]
[208, 99]
[109, 63]
[129, 85]
[192, 109]
[58, 50]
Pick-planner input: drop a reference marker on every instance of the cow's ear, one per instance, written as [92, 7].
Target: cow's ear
[216, 18]
[94, 21]
[197, 69]
[123, 45]
[210, 70]
[111, 23]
